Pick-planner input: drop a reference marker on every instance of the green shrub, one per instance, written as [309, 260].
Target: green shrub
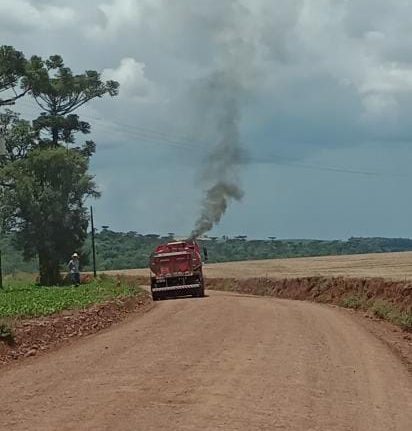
[389, 312]
[383, 310]
[355, 302]
[6, 333]
[404, 320]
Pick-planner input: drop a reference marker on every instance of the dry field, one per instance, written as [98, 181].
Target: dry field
[396, 266]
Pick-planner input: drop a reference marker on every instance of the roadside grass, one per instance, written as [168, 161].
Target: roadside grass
[385, 310]
[22, 298]
[356, 302]
[382, 309]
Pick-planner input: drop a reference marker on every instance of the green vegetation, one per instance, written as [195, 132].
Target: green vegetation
[6, 333]
[387, 311]
[44, 178]
[12, 259]
[15, 74]
[118, 250]
[355, 302]
[237, 249]
[21, 298]
[381, 309]
[404, 320]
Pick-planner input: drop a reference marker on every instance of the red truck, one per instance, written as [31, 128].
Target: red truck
[176, 270]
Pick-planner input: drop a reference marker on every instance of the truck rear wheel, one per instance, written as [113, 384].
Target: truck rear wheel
[200, 292]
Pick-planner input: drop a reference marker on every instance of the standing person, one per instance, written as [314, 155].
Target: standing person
[74, 268]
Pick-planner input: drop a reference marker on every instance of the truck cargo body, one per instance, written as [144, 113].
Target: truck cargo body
[176, 270]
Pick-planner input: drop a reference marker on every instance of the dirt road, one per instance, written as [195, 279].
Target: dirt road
[226, 362]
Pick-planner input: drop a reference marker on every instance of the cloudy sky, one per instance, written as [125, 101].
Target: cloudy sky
[323, 91]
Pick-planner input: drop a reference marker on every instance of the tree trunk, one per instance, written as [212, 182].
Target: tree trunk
[55, 136]
[49, 270]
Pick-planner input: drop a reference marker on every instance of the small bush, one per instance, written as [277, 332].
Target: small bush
[383, 310]
[389, 312]
[404, 320]
[355, 302]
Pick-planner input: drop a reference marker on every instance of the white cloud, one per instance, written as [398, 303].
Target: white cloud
[115, 15]
[388, 78]
[120, 13]
[24, 15]
[131, 76]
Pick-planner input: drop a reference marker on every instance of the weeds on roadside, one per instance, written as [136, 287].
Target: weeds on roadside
[355, 302]
[381, 309]
[405, 321]
[6, 333]
[386, 311]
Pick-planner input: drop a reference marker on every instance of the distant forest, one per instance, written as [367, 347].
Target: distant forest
[119, 250]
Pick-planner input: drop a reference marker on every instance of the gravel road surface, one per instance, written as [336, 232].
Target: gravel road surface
[225, 362]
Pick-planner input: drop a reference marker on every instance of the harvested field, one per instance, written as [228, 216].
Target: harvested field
[394, 266]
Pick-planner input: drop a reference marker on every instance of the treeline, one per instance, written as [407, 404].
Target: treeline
[119, 250]
[235, 249]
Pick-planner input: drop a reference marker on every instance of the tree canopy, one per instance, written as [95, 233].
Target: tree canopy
[44, 178]
[59, 92]
[45, 206]
[12, 70]
[18, 137]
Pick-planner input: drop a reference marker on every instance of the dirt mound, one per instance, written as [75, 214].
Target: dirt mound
[32, 336]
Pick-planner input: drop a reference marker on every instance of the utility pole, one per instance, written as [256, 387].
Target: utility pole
[3, 152]
[93, 243]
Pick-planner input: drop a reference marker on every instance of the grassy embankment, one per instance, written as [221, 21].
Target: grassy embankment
[21, 298]
[381, 309]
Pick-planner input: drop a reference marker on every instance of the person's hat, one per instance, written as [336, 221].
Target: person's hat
[75, 255]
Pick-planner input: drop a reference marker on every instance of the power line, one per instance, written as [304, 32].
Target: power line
[132, 131]
[158, 133]
[146, 135]
[279, 160]
[143, 132]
